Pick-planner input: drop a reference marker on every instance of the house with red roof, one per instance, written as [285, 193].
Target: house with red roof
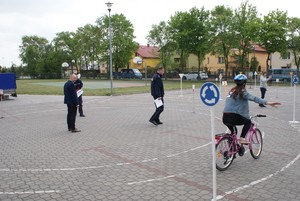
[146, 56]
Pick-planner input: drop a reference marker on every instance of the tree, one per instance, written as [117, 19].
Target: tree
[273, 33]
[159, 36]
[53, 60]
[123, 45]
[198, 36]
[90, 43]
[32, 51]
[190, 31]
[179, 34]
[67, 45]
[224, 38]
[246, 26]
[294, 40]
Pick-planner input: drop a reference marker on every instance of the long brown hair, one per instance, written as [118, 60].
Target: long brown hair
[238, 90]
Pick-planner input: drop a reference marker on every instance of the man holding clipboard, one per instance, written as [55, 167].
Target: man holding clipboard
[157, 91]
[78, 84]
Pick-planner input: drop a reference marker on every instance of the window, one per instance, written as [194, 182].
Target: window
[277, 71]
[286, 55]
[221, 60]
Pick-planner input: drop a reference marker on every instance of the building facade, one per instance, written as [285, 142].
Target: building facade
[145, 58]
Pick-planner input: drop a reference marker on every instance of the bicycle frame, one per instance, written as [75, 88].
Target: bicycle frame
[228, 145]
[249, 134]
[234, 145]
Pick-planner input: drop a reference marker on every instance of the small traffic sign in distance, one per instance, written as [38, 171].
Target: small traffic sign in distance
[295, 79]
[209, 94]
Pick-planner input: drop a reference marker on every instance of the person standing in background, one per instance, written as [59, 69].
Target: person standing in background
[263, 86]
[78, 84]
[157, 91]
[71, 100]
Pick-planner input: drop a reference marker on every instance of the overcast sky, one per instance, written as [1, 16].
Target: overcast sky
[45, 18]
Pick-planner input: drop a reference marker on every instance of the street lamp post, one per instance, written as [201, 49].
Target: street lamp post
[109, 5]
[254, 64]
[72, 65]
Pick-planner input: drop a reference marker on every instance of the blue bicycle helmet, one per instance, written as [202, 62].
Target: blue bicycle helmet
[240, 79]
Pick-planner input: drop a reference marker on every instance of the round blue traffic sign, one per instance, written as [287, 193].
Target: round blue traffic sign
[295, 79]
[209, 94]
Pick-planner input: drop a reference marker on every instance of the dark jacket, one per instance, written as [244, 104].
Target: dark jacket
[70, 93]
[157, 86]
[78, 84]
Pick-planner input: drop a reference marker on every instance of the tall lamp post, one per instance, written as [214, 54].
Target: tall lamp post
[72, 65]
[109, 5]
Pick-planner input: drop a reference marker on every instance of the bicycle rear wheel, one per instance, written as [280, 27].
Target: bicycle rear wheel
[224, 153]
[256, 144]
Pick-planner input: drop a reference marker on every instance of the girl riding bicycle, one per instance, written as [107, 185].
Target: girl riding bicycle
[236, 110]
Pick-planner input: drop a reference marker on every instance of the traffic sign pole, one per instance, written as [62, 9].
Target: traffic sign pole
[295, 81]
[255, 74]
[277, 81]
[213, 150]
[220, 89]
[181, 76]
[193, 87]
[210, 95]
[181, 87]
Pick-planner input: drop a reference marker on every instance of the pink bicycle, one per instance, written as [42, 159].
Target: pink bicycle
[227, 145]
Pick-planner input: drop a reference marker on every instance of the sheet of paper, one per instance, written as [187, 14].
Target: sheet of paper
[158, 102]
[79, 93]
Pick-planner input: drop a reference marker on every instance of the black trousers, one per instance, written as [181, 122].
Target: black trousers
[263, 92]
[71, 116]
[232, 119]
[80, 105]
[156, 114]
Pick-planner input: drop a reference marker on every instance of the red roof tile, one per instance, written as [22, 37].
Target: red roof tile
[258, 48]
[146, 51]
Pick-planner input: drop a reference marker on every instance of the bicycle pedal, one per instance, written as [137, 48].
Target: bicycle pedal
[241, 151]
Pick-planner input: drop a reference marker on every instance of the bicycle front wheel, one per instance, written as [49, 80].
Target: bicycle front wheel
[256, 144]
[224, 154]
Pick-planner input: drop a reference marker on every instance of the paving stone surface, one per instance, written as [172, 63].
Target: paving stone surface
[119, 155]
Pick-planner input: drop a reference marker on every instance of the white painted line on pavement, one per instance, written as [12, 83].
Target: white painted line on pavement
[193, 149]
[152, 180]
[28, 192]
[260, 180]
[73, 169]
[98, 167]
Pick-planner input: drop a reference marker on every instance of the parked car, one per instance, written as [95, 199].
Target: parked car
[281, 74]
[130, 73]
[195, 76]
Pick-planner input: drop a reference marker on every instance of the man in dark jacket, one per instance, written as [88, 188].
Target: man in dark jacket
[78, 84]
[157, 91]
[72, 102]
